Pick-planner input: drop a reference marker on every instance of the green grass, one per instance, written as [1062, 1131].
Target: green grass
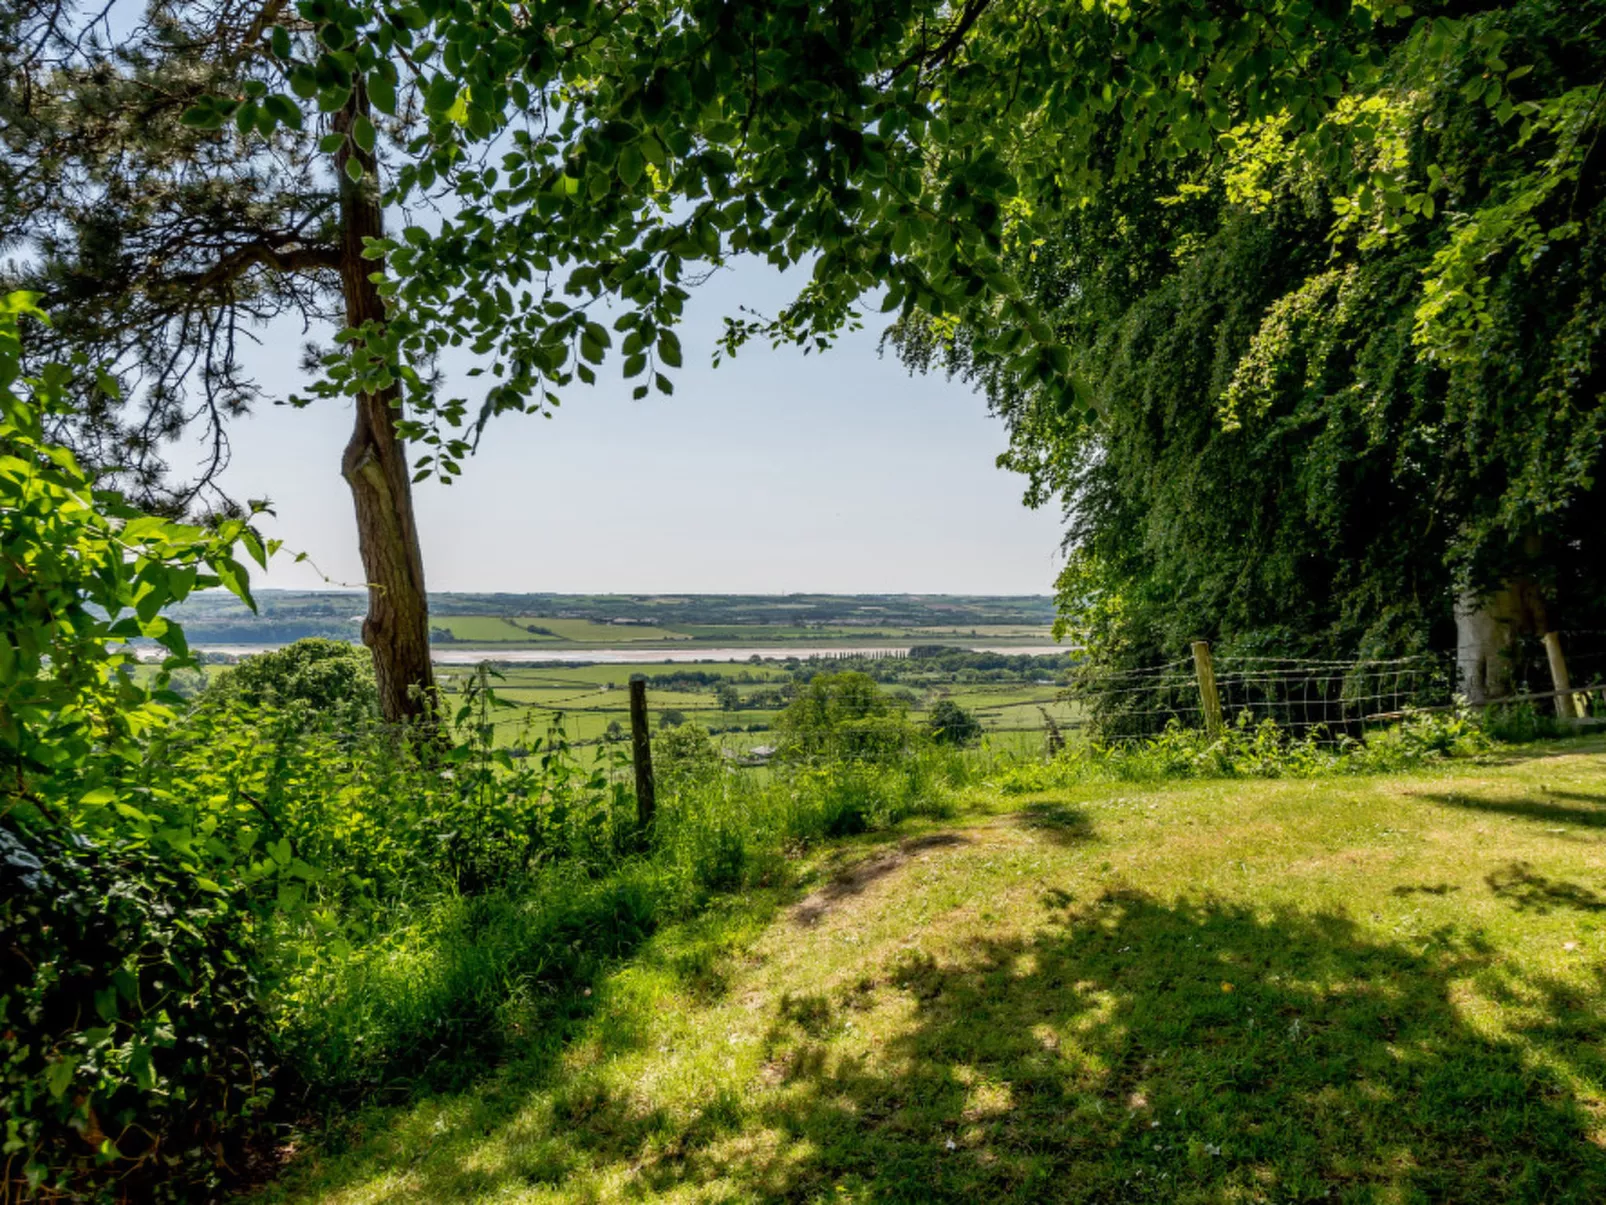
[502, 630]
[488, 629]
[1008, 712]
[854, 634]
[1380, 989]
[588, 632]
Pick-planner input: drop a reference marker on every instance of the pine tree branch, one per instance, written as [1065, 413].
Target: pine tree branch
[234, 265]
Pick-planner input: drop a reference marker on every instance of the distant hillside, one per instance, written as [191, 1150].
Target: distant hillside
[218, 618]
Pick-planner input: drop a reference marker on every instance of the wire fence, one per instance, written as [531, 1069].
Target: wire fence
[1324, 700]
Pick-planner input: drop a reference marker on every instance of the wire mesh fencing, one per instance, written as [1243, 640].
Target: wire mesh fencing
[1326, 700]
[1031, 711]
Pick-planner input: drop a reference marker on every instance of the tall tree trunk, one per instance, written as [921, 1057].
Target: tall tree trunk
[374, 465]
[1487, 627]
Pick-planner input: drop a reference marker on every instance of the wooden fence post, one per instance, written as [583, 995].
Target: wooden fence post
[1207, 688]
[641, 753]
[1566, 702]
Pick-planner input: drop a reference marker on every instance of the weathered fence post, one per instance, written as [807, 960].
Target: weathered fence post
[641, 752]
[1208, 698]
[1566, 702]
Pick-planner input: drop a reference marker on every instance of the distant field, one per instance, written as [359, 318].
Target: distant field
[589, 632]
[516, 632]
[487, 629]
[591, 697]
[215, 617]
[849, 633]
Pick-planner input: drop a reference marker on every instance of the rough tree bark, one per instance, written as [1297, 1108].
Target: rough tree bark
[1487, 626]
[374, 465]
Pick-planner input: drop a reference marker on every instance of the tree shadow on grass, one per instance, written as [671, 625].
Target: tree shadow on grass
[1130, 1049]
[1587, 811]
[1526, 890]
[1059, 822]
[1137, 1050]
[859, 874]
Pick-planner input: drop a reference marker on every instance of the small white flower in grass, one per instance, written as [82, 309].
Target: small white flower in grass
[1569, 945]
[952, 1145]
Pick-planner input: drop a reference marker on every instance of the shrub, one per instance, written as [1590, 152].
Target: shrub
[684, 757]
[129, 1033]
[843, 717]
[312, 677]
[1520, 723]
[951, 724]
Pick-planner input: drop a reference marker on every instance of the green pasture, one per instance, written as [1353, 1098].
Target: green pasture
[514, 631]
[1374, 989]
[590, 697]
[490, 629]
[586, 631]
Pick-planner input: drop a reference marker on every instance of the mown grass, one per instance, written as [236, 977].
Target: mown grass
[1360, 989]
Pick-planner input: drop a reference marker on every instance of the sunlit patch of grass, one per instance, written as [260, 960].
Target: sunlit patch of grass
[1357, 989]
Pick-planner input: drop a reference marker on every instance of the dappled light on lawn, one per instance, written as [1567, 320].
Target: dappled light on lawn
[1227, 991]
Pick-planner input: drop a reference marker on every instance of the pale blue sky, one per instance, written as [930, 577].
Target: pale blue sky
[775, 472]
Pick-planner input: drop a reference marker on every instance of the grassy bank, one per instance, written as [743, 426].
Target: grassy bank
[1359, 988]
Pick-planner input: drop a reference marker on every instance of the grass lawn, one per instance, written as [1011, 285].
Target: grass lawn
[1365, 989]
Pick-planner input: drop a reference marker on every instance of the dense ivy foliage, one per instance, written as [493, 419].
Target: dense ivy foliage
[1330, 397]
[133, 1046]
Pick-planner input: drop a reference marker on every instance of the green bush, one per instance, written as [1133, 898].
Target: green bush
[1519, 723]
[684, 757]
[951, 724]
[1251, 749]
[330, 679]
[134, 1051]
[843, 717]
